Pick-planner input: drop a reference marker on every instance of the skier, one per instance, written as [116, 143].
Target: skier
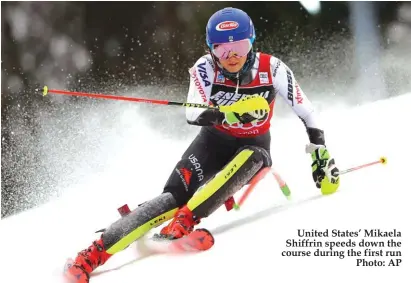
[229, 149]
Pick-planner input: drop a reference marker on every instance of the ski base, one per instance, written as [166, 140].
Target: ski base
[197, 241]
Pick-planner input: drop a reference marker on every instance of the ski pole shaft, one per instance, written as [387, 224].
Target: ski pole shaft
[256, 179]
[284, 187]
[46, 91]
[251, 103]
[382, 160]
[260, 175]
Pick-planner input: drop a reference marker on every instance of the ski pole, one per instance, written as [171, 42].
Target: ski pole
[256, 179]
[382, 160]
[46, 91]
[284, 187]
[249, 104]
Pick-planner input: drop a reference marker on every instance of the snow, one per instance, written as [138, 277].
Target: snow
[249, 242]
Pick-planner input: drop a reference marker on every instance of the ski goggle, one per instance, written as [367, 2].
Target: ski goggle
[237, 48]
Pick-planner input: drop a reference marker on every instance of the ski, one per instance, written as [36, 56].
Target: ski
[197, 241]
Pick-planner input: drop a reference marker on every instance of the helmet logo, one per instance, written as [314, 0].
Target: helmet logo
[227, 25]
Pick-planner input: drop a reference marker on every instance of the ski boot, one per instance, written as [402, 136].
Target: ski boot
[78, 271]
[182, 224]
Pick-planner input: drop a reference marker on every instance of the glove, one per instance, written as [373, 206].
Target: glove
[232, 117]
[324, 171]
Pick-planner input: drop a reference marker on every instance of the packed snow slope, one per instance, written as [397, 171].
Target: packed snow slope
[249, 242]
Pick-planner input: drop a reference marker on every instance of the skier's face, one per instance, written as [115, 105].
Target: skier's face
[232, 55]
[234, 63]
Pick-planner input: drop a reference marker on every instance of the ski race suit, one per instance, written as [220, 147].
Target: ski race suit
[224, 156]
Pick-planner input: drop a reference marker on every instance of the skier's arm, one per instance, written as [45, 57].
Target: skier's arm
[287, 87]
[201, 79]
[208, 117]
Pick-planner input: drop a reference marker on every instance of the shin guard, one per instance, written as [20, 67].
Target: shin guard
[138, 222]
[237, 173]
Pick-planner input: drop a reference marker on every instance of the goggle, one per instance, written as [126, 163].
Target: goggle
[237, 48]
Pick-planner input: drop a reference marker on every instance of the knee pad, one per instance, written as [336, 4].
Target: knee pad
[259, 154]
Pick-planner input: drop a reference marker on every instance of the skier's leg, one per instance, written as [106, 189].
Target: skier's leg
[121, 234]
[200, 161]
[205, 156]
[248, 161]
[198, 164]
[237, 173]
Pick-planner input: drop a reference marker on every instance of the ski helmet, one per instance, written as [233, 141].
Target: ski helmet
[231, 25]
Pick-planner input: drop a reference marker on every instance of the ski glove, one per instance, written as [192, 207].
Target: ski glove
[324, 171]
[232, 117]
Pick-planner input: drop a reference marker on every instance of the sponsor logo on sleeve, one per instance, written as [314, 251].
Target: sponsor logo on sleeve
[198, 84]
[299, 97]
[290, 87]
[203, 73]
[276, 68]
[210, 61]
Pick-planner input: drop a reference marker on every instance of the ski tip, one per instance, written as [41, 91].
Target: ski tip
[204, 240]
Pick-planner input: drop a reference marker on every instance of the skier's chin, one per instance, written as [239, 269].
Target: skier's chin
[233, 65]
[233, 68]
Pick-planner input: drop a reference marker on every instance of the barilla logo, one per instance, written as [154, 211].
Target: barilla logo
[227, 25]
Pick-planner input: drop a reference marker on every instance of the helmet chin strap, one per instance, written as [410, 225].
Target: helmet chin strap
[244, 70]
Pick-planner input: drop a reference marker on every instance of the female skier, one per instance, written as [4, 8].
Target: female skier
[230, 147]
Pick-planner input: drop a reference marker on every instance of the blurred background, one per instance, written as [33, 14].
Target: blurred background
[342, 53]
